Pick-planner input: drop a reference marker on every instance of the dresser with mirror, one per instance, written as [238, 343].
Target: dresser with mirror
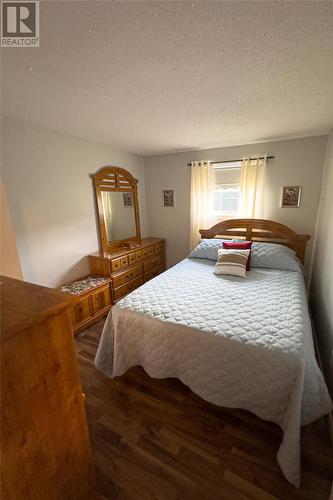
[124, 257]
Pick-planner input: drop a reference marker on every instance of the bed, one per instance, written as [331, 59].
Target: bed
[239, 343]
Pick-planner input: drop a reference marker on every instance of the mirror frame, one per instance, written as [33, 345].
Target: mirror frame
[115, 179]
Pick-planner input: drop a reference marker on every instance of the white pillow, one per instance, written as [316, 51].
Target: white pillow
[232, 262]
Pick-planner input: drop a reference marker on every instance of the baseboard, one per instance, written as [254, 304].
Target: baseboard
[329, 416]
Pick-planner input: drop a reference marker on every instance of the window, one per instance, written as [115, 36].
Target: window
[227, 190]
[226, 199]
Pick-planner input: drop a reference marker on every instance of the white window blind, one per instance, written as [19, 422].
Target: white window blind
[227, 190]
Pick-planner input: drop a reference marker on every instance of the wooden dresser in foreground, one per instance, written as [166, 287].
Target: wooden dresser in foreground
[45, 444]
[130, 267]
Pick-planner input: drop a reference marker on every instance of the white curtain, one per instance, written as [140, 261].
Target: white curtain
[202, 188]
[252, 188]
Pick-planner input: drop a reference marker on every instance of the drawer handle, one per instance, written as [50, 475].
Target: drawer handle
[129, 275]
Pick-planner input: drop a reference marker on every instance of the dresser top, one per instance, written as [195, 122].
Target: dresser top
[145, 242]
[24, 305]
[82, 285]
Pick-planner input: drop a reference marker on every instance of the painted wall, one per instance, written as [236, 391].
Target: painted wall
[322, 273]
[9, 261]
[297, 162]
[51, 198]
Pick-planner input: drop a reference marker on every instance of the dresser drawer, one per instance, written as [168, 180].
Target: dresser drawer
[81, 311]
[101, 299]
[154, 272]
[120, 263]
[115, 265]
[125, 276]
[159, 248]
[124, 261]
[148, 252]
[138, 255]
[127, 288]
[131, 258]
[152, 262]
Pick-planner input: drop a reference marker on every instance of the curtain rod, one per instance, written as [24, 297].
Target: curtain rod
[234, 161]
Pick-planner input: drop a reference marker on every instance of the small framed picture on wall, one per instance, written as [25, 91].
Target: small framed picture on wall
[291, 196]
[168, 198]
[128, 199]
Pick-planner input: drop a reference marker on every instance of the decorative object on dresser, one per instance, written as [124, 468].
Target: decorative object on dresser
[44, 437]
[126, 259]
[94, 300]
[129, 268]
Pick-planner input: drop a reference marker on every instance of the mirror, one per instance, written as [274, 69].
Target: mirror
[118, 209]
[119, 215]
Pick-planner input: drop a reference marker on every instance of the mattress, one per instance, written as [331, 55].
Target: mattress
[239, 343]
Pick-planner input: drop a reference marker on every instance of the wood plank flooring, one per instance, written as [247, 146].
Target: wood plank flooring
[155, 439]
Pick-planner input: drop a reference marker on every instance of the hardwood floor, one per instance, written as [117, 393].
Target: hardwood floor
[155, 439]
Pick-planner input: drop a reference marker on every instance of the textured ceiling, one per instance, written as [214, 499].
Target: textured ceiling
[150, 77]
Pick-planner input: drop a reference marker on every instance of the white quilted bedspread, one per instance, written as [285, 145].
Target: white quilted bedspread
[239, 343]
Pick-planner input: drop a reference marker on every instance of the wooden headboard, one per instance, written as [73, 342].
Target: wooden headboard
[259, 230]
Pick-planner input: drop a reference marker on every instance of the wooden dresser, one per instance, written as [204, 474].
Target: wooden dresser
[130, 267]
[44, 435]
[93, 296]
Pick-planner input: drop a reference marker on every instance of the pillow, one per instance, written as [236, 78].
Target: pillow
[232, 262]
[241, 245]
[207, 249]
[274, 256]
